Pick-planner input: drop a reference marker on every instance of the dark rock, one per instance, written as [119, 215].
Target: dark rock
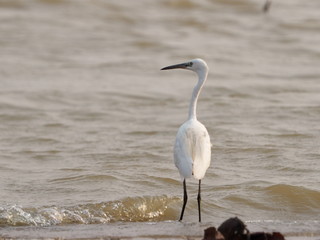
[266, 236]
[211, 233]
[233, 229]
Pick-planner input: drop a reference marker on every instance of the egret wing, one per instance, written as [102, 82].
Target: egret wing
[201, 151]
[182, 152]
[192, 151]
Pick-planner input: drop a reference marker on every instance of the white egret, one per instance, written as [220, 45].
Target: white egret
[192, 149]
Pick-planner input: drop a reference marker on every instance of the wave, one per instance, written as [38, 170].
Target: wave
[296, 198]
[137, 209]
[281, 201]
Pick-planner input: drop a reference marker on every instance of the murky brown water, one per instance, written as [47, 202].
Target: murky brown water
[88, 121]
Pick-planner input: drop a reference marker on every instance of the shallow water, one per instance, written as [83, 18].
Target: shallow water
[88, 121]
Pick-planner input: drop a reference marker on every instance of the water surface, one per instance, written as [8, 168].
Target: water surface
[88, 120]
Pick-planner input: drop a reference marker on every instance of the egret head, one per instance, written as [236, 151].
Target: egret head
[196, 65]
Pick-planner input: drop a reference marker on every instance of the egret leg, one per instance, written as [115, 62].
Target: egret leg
[199, 200]
[185, 198]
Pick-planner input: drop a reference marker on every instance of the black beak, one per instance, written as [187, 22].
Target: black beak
[181, 65]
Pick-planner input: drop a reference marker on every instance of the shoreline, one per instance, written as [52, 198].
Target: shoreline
[123, 230]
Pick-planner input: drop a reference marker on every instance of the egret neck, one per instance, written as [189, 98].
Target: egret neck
[202, 75]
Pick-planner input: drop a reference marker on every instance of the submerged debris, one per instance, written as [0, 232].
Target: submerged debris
[235, 229]
[266, 6]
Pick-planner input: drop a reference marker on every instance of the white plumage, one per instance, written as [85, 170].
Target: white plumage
[192, 149]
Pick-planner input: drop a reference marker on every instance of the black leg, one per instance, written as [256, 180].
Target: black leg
[185, 199]
[199, 200]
